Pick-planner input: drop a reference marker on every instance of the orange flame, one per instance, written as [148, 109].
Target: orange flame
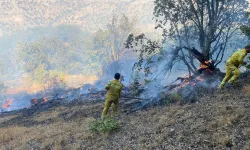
[200, 79]
[34, 101]
[188, 81]
[45, 99]
[7, 104]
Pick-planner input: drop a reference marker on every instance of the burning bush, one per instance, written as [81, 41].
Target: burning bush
[39, 101]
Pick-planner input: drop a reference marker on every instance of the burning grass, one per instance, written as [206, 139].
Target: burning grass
[7, 104]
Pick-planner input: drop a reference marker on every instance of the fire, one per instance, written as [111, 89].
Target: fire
[205, 66]
[7, 104]
[39, 100]
[34, 101]
[200, 79]
[186, 80]
[45, 99]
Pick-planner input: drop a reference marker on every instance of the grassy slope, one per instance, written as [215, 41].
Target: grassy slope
[215, 121]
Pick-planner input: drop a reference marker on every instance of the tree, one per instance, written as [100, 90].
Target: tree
[246, 28]
[207, 25]
[2, 74]
[32, 56]
[70, 57]
[111, 41]
[46, 59]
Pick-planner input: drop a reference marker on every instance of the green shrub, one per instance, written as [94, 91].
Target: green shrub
[173, 98]
[56, 79]
[106, 125]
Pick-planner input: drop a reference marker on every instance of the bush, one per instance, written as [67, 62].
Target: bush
[106, 125]
[173, 98]
[50, 79]
[56, 80]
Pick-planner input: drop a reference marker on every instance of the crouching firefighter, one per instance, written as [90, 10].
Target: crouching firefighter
[114, 89]
[233, 64]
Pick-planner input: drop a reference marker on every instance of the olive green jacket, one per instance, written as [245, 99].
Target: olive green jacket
[114, 88]
[237, 58]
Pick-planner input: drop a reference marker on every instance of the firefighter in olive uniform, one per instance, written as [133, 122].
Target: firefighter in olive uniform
[233, 64]
[114, 89]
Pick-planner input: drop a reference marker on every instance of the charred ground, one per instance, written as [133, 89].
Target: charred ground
[217, 120]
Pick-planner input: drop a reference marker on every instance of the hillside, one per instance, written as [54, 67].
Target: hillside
[88, 14]
[218, 120]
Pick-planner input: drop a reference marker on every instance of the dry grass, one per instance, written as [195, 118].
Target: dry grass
[246, 89]
[217, 121]
[3, 119]
[52, 136]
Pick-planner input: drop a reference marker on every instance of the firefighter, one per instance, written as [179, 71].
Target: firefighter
[233, 64]
[113, 88]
